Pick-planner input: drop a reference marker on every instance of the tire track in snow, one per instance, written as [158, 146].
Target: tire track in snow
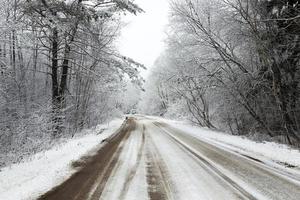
[101, 181]
[210, 167]
[157, 178]
[94, 172]
[134, 169]
[260, 179]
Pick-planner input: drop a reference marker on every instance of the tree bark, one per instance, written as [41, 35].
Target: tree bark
[282, 101]
[55, 87]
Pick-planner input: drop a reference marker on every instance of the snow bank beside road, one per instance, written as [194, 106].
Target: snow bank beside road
[267, 151]
[44, 170]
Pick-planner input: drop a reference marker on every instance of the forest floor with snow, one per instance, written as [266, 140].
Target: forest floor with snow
[42, 171]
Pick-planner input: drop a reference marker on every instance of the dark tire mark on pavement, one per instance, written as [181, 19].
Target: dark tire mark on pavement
[99, 166]
[134, 169]
[205, 164]
[157, 178]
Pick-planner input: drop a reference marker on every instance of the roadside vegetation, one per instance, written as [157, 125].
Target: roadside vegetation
[60, 71]
[231, 65]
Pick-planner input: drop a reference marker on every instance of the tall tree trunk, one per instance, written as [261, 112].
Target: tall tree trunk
[13, 52]
[282, 101]
[33, 81]
[64, 74]
[55, 87]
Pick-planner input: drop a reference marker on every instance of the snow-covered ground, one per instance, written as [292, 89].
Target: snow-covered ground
[43, 171]
[128, 179]
[269, 152]
[174, 160]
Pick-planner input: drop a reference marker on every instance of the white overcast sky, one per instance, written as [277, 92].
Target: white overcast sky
[142, 38]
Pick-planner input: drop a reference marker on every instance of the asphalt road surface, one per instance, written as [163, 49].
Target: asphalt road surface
[148, 159]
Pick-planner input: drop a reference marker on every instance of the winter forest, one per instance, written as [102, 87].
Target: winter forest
[229, 65]
[60, 70]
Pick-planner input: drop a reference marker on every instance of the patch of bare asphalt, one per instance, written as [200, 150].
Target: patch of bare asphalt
[157, 178]
[93, 170]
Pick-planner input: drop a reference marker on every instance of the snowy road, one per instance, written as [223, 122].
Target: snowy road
[152, 160]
